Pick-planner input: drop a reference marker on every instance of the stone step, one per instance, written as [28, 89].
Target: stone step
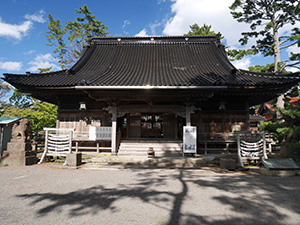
[157, 154]
[146, 149]
[140, 148]
[152, 145]
[136, 148]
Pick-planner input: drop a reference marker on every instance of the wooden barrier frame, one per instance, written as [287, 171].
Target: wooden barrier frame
[57, 144]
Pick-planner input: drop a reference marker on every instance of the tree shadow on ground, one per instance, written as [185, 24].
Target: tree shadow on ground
[260, 199]
[250, 199]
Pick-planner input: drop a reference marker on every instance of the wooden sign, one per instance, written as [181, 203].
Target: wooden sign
[100, 133]
[189, 139]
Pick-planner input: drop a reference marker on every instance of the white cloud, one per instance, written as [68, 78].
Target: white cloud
[153, 27]
[11, 66]
[126, 23]
[13, 30]
[243, 63]
[296, 50]
[160, 1]
[43, 61]
[142, 33]
[29, 52]
[215, 13]
[292, 69]
[36, 17]
[293, 49]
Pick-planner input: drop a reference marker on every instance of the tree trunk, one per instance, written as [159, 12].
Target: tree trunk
[276, 49]
[280, 102]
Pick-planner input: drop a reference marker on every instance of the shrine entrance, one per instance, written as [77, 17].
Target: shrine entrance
[152, 125]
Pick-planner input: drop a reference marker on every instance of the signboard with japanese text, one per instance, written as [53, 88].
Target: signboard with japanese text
[100, 133]
[189, 139]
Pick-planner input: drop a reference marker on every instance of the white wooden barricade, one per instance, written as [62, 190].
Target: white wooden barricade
[58, 142]
[251, 150]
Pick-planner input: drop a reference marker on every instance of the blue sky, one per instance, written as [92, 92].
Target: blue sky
[23, 25]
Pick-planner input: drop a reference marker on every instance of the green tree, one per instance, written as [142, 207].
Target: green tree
[41, 114]
[286, 128]
[45, 70]
[205, 30]
[75, 33]
[20, 100]
[55, 38]
[266, 18]
[4, 90]
[269, 68]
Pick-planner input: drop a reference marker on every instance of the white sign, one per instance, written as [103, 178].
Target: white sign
[189, 139]
[100, 133]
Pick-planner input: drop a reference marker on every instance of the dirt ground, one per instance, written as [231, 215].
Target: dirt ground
[49, 194]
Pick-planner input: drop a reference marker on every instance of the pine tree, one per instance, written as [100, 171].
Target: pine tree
[75, 33]
[266, 18]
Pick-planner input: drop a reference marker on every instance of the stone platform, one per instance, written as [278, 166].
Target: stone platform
[18, 153]
[106, 160]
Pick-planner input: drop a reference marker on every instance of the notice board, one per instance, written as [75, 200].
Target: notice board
[189, 139]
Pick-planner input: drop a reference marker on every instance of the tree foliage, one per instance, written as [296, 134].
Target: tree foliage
[269, 68]
[266, 18]
[20, 100]
[69, 39]
[41, 114]
[205, 30]
[286, 128]
[4, 90]
[55, 38]
[45, 70]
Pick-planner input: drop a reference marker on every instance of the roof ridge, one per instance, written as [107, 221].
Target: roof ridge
[155, 39]
[157, 36]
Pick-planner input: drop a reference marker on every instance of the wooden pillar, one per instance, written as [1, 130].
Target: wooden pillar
[224, 121]
[127, 124]
[200, 123]
[247, 116]
[176, 126]
[114, 130]
[188, 116]
[58, 115]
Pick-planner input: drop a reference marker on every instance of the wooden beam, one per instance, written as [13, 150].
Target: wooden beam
[151, 109]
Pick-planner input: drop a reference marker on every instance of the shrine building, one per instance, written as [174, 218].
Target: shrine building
[148, 88]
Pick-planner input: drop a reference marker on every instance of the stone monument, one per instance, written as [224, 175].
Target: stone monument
[19, 151]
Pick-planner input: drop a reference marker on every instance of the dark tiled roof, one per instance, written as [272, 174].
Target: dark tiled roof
[153, 61]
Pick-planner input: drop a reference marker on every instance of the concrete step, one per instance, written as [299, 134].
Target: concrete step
[157, 154]
[146, 149]
[161, 149]
[151, 144]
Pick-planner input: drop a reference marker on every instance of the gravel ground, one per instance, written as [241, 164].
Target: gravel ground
[48, 194]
